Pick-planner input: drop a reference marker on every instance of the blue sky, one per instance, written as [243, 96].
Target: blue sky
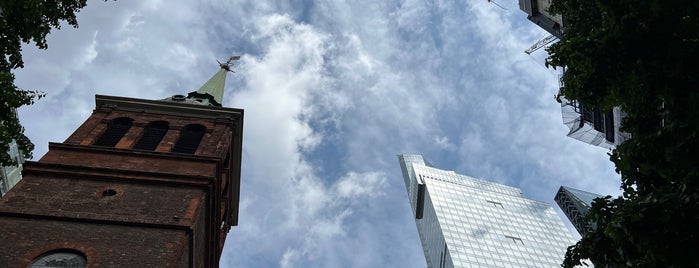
[332, 92]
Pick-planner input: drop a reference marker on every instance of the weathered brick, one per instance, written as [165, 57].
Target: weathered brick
[122, 207]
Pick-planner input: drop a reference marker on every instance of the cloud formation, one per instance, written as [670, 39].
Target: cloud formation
[332, 92]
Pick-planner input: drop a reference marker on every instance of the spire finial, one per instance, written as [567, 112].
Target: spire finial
[211, 93]
[227, 65]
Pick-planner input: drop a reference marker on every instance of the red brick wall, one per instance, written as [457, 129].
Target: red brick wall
[130, 160]
[83, 197]
[157, 208]
[216, 140]
[104, 245]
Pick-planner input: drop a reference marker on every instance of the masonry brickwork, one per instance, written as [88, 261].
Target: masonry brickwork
[121, 207]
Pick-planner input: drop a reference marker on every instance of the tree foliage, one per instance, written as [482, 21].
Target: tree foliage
[639, 55]
[24, 21]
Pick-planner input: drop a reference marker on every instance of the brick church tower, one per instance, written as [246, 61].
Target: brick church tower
[142, 183]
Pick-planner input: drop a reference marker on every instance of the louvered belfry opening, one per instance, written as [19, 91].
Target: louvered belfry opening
[116, 129]
[152, 135]
[190, 137]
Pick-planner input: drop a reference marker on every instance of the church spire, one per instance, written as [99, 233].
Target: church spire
[211, 93]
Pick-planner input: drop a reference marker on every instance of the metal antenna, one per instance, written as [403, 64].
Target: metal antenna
[496, 3]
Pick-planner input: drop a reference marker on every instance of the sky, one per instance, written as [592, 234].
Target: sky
[332, 92]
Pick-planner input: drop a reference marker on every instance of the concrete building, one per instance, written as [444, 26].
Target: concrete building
[468, 222]
[537, 12]
[141, 183]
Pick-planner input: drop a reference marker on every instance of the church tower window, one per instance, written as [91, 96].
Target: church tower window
[152, 135]
[115, 131]
[189, 139]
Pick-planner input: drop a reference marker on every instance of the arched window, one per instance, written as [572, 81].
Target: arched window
[189, 139]
[152, 134]
[115, 131]
[60, 258]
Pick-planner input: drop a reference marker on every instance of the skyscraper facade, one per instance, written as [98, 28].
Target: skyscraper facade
[585, 123]
[11, 174]
[468, 222]
[575, 204]
[537, 12]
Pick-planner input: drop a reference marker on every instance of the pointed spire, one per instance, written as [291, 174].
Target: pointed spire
[213, 89]
[211, 93]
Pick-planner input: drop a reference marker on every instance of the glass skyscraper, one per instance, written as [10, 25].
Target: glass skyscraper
[12, 174]
[575, 204]
[468, 222]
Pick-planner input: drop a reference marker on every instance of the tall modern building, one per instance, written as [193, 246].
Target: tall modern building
[586, 124]
[10, 175]
[590, 125]
[575, 204]
[537, 12]
[141, 183]
[468, 222]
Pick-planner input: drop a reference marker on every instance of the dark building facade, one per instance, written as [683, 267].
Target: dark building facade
[141, 183]
[575, 204]
[537, 12]
[585, 123]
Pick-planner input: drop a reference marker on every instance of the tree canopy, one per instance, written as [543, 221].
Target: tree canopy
[639, 55]
[24, 21]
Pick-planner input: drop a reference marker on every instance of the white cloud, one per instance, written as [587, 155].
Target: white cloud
[344, 84]
[309, 213]
[288, 259]
[444, 143]
[356, 185]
